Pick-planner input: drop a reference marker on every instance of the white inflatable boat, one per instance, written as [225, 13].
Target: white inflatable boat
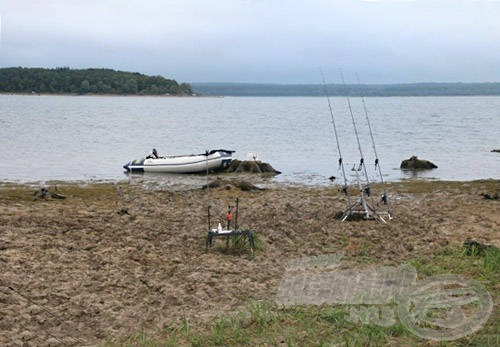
[211, 160]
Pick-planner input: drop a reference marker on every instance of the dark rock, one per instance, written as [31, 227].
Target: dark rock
[417, 164]
[248, 166]
[490, 196]
[495, 150]
[251, 166]
[123, 211]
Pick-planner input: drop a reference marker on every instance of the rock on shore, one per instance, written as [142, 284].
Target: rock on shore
[251, 166]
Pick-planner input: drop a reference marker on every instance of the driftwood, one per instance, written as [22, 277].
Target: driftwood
[44, 193]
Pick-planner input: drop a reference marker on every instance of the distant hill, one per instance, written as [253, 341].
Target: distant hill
[413, 89]
[94, 81]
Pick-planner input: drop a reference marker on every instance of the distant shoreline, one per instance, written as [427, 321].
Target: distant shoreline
[103, 95]
[368, 90]
[231, 95]
[311, 90]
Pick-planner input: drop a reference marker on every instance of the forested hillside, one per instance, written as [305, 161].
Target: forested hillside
[94, 81]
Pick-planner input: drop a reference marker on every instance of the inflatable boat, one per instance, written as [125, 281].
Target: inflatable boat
[193, 163]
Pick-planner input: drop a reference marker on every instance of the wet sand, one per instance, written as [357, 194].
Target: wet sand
[114, 259]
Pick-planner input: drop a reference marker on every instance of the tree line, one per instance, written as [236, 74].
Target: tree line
[64, 80]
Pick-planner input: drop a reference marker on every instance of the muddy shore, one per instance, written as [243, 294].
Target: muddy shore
[113, 259]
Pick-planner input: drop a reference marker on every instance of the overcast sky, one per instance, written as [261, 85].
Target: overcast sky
[265, 41]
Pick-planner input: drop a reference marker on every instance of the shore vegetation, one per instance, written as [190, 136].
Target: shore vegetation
[64, 80]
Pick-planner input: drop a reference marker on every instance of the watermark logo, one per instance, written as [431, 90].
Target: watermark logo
[445, 307]
[441, 308]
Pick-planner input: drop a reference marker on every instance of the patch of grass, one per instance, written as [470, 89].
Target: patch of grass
[138, 339]
[491, 262]
[482, 266]
[239, 244]
[264, 323]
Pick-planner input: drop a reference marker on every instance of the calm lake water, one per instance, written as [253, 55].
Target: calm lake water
[74, 138]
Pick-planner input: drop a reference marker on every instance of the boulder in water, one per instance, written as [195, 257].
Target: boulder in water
[417, 164]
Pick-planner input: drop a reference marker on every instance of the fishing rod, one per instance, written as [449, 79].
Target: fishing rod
[341, 163]
[362, 160]
[385, 199]
[208, 192]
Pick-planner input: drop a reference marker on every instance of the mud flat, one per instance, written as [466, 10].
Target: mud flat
[113, 259]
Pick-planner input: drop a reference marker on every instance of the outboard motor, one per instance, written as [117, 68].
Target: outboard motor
[134, 165]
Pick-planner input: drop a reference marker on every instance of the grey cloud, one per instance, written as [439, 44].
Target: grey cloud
[259, 40]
